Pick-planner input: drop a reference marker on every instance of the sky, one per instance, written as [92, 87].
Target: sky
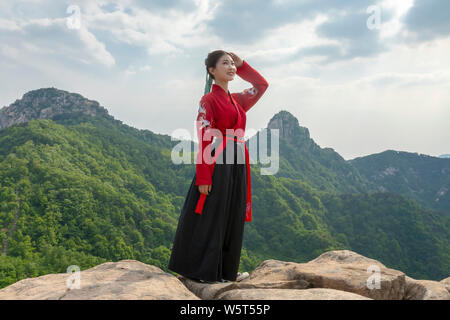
[362, 76]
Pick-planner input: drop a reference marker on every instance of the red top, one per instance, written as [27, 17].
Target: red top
[217, 111]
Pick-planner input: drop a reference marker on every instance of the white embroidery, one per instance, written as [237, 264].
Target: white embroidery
[202, 109]
[251, 91]
[204, 123]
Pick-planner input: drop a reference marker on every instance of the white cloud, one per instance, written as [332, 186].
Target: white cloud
[52, 36]
[160, 32]
[95, 48]
[8, 25]
[359, 106]
[397, 100]
[131, 70]
[399, 8]
[287, 40]
[439, 78]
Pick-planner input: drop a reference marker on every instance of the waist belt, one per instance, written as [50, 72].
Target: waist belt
[221, 147]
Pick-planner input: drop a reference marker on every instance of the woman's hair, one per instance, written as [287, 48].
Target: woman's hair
[211, 61]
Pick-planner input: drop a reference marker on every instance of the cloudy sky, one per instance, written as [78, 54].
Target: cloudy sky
[362, 76]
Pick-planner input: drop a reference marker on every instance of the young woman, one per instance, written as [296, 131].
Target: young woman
[208, 240]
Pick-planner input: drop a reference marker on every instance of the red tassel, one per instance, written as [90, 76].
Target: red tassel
[200, 203]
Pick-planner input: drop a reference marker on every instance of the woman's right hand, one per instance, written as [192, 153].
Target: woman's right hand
[204, 188]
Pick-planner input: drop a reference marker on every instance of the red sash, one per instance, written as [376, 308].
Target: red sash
[221, 147]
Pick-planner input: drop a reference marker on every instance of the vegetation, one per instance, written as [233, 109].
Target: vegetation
[83, 191]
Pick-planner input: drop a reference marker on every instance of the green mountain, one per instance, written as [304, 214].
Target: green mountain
[420, 177]
[78, 187]
[301, 158]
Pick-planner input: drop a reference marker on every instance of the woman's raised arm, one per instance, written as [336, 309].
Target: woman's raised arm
[250, 96]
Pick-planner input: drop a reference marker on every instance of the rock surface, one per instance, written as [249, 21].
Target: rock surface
[425, 290]
[446, 283]
[334, 275]
[289, 294]
[123, 280]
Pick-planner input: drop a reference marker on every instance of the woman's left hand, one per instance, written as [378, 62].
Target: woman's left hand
[237, 61]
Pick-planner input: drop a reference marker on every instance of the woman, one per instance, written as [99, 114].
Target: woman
[208, 240]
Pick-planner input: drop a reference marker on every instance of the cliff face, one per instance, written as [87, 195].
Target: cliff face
[47, 103]
[303, 159]
[290, 130]
[334, 275]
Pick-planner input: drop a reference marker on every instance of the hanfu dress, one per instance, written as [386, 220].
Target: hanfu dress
[208, 239]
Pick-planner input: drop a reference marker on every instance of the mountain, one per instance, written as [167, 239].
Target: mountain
[420, 177]
[48, 103]
[301, 158]
[82, 188]
[444, 156]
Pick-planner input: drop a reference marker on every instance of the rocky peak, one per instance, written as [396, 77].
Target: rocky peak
[47, 103]
[290, 130]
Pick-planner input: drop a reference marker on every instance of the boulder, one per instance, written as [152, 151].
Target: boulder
[122, 280]
[425, 290]
[211, 291]
[343, 270]
[446, 283]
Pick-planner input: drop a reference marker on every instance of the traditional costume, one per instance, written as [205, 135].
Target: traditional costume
[209, 235]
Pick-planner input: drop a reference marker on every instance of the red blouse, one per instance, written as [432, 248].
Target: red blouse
[217, 111]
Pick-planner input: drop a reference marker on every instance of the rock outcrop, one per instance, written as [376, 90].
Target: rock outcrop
[334, 275]
[446, 283]
[290, 130]
[48, 103]
[123, 280]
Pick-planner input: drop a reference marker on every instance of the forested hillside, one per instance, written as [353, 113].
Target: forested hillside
[421, 177]
[81, 189]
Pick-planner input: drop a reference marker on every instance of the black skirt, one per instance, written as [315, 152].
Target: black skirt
[208, 246]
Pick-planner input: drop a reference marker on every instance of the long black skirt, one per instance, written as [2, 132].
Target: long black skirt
[208, 246]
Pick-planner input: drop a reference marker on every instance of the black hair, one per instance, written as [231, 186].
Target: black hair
[211, 60]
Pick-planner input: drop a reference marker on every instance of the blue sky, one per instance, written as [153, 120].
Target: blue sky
[359, 90]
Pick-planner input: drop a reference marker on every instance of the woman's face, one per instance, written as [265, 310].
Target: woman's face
[225, 69]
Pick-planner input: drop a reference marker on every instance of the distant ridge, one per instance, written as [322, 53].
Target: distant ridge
[48, 103]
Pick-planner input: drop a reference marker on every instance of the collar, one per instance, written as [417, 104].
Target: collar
[219, 90]
[216, 89]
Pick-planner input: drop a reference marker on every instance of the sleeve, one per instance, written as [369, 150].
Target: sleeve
[250, 96]
[204, 122]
